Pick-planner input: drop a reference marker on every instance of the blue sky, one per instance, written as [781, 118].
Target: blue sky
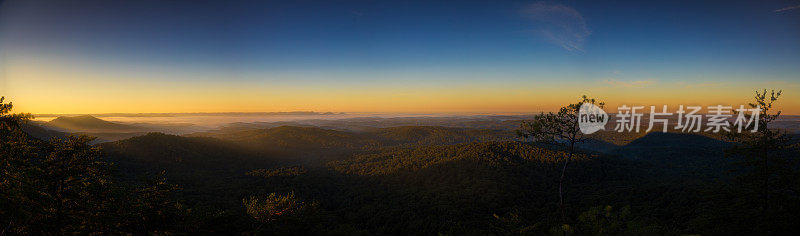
[423, 41]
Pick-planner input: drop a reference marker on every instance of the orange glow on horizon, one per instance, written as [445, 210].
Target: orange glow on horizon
[75, 90]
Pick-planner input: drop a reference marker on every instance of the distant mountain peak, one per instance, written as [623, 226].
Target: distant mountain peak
[88, 123]
[77, 118]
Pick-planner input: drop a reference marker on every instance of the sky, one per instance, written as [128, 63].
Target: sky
[93, 56]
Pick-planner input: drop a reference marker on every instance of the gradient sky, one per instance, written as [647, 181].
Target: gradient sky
[386, 56]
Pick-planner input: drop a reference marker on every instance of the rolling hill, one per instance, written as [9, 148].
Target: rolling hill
[432, 179]
[91, 124]
[311, 138]
[176, 151]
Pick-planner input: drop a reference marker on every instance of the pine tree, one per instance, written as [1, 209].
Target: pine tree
[560, 129]
[767, 160]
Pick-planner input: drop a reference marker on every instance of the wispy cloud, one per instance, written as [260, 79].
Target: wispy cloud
[558, 24]
[706, 85]
[788, 8]
[629, 84]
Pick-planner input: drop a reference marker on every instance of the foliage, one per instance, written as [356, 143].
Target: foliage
[269, 208]
[281, 213]
[11, 121]
[512, 224]
[767, 177]
[150, 206]
[558, 128]
[281, 171]
[64, 186]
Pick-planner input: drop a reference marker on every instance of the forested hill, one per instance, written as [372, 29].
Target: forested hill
[438, 135]
[418, 188]
[88, 123]
[292, 137]
[186, 160]
[284, 144]
[424, 189]
[431, 180]
[42, 133]
[171, 149]
[314, 137]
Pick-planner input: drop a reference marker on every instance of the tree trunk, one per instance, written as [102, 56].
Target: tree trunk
[766, 187]
[561, 184]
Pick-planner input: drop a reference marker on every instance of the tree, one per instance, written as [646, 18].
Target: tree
[767, 156]
[9, 121]
[272, 207]
[149, 206]
[560, 129]
[51, 186]
[15, 184]
[64, 186]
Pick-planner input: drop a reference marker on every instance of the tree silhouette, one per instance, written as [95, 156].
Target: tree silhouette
[50, 186]
[60, 185]
[560, 129]
[767, 157]
[9, 121]
[64, 186]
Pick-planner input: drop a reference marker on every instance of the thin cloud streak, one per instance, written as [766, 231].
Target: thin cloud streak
[629, 84]
[706, 85]
[559, 24]
[788, 8]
